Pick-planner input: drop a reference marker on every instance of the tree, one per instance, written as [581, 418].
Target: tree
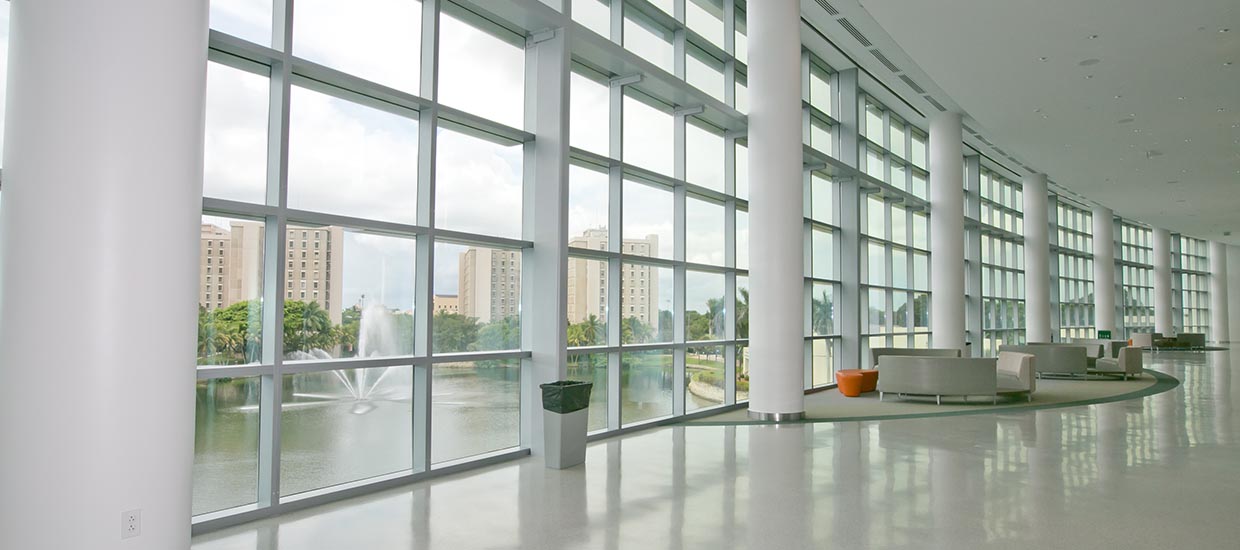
[307, 326]
[634, 331]
[823, 313]
[499, 335]
[742, 313]
[453, 332]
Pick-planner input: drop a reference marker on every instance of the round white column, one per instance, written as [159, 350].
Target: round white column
[947, 231]
[776, 327]
[1220, 326]
[98, 271]
[1037, 260]
[1104, 269]
[1164, 321]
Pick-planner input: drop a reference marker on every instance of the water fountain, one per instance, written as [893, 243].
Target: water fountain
[376, 337]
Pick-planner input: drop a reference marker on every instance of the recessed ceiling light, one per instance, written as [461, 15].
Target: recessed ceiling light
[1117, 96]
[1188, 140]
[1090, 61]
[1089, 76]
[1037, 110]
[1226, 63]
[1224, 30]
[1125, 120]
[1043, 58]
[1181, 98]
[1220, 109]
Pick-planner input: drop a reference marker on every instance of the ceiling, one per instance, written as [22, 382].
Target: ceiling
[1134, 104]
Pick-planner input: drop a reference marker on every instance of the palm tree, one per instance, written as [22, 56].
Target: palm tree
[715, 313]
[742, 313]
[594, 330]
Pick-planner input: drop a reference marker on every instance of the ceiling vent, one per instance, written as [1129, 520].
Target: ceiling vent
[848, 26]
[936, 104]
[968, 129]
[912, 84]
[1153, 153]
[886, 62]
[1000, 151]
[985, 141]
[826, 6]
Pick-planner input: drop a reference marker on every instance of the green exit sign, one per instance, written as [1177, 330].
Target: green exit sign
[1104, 335]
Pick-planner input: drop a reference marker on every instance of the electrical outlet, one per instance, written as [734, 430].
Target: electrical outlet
[131, 524]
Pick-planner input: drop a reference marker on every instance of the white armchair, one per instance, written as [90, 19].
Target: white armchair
[1016, 373]
[1129, 363]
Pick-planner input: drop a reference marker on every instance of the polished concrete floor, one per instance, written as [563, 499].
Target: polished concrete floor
[1156, 472]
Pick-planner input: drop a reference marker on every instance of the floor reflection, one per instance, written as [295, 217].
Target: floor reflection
[1156, 472]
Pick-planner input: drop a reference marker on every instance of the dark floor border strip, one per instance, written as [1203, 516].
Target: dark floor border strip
[1162, 382]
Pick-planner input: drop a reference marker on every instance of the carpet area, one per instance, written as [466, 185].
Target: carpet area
[831, 406]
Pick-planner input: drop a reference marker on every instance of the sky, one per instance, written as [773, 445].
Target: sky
[356, 160]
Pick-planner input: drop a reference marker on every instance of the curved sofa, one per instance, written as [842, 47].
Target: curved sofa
[1059, 359]
[877, 353]
[937, 376]
[1010, 374]
[1129, 363]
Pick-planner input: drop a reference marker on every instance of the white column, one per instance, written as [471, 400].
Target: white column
[1104, 269]
[947, 231]
[98, 271]
[1037, 260]
[776, 327]
[1220, 326]
[544, 302]
[1164, 321]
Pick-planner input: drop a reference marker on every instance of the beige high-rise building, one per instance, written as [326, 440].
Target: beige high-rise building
[231, 265]
[215, 249]
[587, 280]
[447, 303]
[489, 283]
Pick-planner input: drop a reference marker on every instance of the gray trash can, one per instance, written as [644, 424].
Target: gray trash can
[566, 409]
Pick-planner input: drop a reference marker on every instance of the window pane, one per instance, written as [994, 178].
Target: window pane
[647, 136]
[742, 307]
[823, 250]
[648, 40]
[345, 425]
[348, 159]
[478, 185]
[918, 153]
[587, 207]
[921, 271]
[247, 19]
[899, 221]
[705, 308]
[897, 138]
[348, 294]
[705, 378]
[878, 310]
[646, 304]
[705, 17]
[225, 443]
[823, 362]
[822, 199]
[235, 146]
[646, 385]
[587, 302]
[742, 374]
[921, 231]
[921, 312]
[384, 38]
[742, 239]
[876, 222]
[476, 408]
[899, 308]
[820, 89]
[230, 292]
[742, 171]
[877, 266]
[899, 268]
[594, 15]
[592, 367]
[487, 282]
[589, 122]
[480, 73]
[703, 156]
[648, 215]
[704, 232]
[705, 73]
[874, 123]
[822, 305]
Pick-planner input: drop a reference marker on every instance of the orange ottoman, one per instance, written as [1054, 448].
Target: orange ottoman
[849, 382]
[867, 380]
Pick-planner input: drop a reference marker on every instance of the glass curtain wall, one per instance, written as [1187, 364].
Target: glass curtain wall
[1076, 271]
[1003, 262]
[1137, 274]
[892, 150]
[821, 222]
[361, 241]
[658, 227]
[1193, 275]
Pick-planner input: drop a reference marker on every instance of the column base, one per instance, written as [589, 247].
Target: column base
[777, 417]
